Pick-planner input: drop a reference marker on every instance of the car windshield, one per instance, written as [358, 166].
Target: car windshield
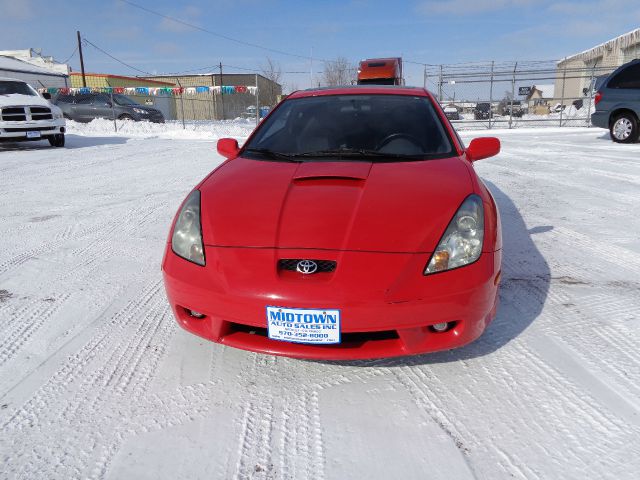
[10, 87]
[482, 106]
[352, 127]
[122, 100]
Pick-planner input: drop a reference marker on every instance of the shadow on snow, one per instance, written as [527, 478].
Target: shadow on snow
[72, 142]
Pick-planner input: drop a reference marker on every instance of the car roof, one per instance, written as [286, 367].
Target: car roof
[360, 90]
[9, 79]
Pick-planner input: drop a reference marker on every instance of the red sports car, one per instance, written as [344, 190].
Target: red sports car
[351, 224]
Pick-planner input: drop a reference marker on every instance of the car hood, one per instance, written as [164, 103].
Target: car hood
[357, 206]
[16, 99]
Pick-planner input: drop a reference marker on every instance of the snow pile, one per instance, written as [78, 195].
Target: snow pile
[197, 130]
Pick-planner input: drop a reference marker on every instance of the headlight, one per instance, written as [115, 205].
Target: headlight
[140, 110]
[461, 243]
[186, 240]
[57, 114]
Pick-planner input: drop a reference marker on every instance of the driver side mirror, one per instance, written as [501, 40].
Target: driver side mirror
[228, 147]
[482, 147]
[46, 96]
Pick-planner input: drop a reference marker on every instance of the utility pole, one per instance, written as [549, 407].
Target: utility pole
[221, 91]
[84, 79]
[311, 69]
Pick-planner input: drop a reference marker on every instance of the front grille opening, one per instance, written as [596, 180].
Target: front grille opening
[239, 327]
[348, 338]
[361, 337]
[41, 113]
[291, 264]
[31, 129]
[14, 114]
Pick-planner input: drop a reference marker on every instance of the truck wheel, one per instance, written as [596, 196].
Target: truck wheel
[57, 140]
[624, 128]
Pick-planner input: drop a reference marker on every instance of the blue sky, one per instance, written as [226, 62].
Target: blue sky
[447, 31]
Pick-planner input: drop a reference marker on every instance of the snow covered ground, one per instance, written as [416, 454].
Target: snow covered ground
[97, 380]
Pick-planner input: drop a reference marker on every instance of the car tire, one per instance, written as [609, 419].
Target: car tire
[624, 128]
[57, 140]
[125, 116]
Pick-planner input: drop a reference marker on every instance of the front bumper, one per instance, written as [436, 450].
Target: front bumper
[386, 304]
[17, 131]
[150, 117]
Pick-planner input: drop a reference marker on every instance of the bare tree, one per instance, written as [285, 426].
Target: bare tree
[273, 72]
[292, 87]
[339, 72]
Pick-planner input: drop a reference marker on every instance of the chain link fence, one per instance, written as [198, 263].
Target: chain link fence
[186, 99]
[518, 94]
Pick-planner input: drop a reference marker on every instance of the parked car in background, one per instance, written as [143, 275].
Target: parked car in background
[250, 111]
[86, 107]
[618, 104]
[514, 108]
[452, 113]
[25, 115]
[482, 111]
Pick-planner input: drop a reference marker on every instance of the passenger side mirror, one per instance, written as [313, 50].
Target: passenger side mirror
[46, 96]
[483, 147]
[228, 147]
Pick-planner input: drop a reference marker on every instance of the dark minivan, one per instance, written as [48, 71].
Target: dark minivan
[86, 107]
[618, 103]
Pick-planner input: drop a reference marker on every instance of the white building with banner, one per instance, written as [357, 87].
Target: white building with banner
[577, 74]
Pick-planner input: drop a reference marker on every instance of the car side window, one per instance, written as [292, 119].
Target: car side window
[83, 100]
[100, 99]
[627, 78]
[65, 99]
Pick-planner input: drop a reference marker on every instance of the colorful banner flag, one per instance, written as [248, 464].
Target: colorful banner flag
[225, 89]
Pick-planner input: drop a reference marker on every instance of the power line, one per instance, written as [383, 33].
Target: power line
[71, 56]
[114, 58]
[211, 68]
[219, 35]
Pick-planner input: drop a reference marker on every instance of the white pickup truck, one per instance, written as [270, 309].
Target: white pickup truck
[25, 115]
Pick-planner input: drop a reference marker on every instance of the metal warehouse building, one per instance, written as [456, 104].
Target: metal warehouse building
[576, 74]
[37, 77]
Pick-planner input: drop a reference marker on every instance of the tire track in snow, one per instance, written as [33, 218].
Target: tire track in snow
[257, 424]
[25, 323]
[123, 374]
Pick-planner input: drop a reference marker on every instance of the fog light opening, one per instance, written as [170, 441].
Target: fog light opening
[442, 326]
[195, 314]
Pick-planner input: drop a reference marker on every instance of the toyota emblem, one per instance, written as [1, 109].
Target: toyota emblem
[307, 267]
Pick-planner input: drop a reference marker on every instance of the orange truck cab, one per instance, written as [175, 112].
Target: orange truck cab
[380, 71]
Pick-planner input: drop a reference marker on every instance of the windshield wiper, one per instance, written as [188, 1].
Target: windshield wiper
[354, 152]
[272, 154]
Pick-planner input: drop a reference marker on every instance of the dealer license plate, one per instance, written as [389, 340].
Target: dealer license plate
[304, 325]
[33, 134]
